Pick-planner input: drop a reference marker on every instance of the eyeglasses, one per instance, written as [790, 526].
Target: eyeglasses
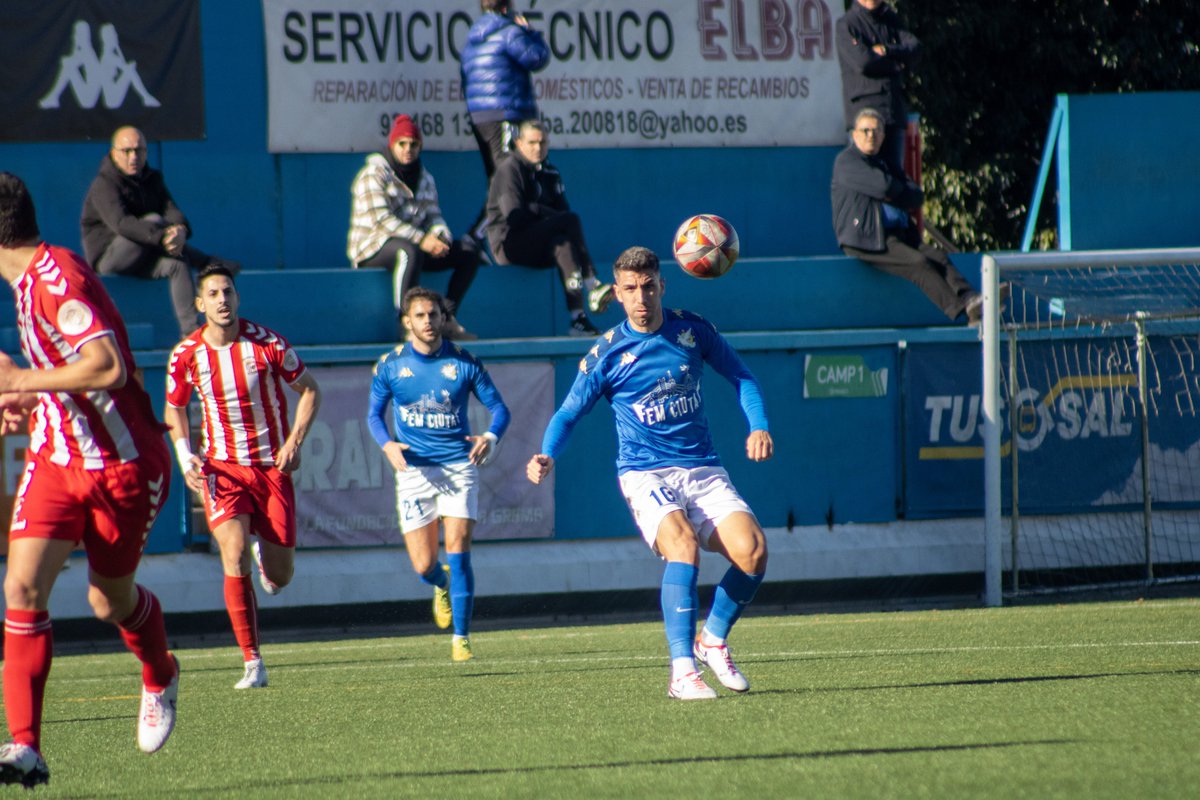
[869, 131]
[128, 151]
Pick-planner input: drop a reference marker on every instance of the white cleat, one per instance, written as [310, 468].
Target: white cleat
[156, 717]
[267, 585]
[690, 687]
[20, 763]
[255, 676]
[718, 659]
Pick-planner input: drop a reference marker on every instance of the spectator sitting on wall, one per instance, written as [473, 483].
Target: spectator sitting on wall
[395, 222]
[501, 52]
[871, 206]
[131, 226]
[875, 52]
[530, 224]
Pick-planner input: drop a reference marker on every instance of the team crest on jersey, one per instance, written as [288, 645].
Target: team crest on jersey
[405, 372]
[686, 338]
[290, 360]
[450, 372]
[74, 317]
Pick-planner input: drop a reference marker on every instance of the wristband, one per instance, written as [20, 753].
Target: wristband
[183, 452]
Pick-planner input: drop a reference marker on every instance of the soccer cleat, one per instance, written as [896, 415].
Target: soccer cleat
[156, 717]
[582, 326]
[443, 614]
[600, 297]
[460, 649]
[690, 687]
[255, 676]
[718, 659]
[20, 763]
[267, 585]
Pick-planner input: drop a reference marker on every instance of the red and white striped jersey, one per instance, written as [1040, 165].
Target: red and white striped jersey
[241, 392]
[61, 306]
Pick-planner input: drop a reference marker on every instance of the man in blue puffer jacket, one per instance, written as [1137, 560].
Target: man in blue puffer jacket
[501, 53]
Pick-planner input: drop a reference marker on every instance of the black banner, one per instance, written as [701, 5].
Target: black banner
[80, 69]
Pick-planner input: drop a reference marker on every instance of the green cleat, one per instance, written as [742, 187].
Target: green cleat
[443, 615]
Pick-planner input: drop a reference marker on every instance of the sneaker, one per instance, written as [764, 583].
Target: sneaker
[267, 585]
[20, 763]
[443, 614]
[582, 326]
[600, 297]
[255, 676]
[455, 332]
[974, 306]
[156, 717]
[460, 649]
[690, 687]
[718, 659]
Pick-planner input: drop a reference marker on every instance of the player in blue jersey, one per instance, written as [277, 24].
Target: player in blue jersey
[649, 369]
[427, 381]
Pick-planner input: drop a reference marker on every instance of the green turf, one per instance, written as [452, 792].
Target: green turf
[1095, 701]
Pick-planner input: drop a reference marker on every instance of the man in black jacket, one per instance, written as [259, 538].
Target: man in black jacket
[875, 54]
[871, 205]
[530, 224]
[131, 226]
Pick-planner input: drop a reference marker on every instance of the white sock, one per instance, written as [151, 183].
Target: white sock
[708, 640]
[682, 666]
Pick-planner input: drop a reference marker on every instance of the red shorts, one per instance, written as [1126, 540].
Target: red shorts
[110, 510]
[264, 494]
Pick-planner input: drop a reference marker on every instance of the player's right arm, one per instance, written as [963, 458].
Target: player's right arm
[180, 427]
[579, 401]
[380, 400]
[99, 368]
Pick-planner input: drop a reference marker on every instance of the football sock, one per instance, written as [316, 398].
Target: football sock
[462, 591]
[242, 605]
[734, 593]
[146, 637]
[679, 601]
[28, 650]
[436, 576]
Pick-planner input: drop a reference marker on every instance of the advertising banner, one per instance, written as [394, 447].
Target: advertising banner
[664, 73]
[345, 490]
[79, 69]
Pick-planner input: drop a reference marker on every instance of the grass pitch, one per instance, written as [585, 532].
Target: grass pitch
[1090, 700]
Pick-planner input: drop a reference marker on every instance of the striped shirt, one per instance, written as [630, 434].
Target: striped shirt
[61, 306]
[241, 392]
[383, 208]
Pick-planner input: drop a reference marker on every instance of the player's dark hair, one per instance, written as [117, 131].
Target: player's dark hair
[637, 259]
[215, 268]
[496, 6]
[18, 220]
[423, 293]
[531, 125]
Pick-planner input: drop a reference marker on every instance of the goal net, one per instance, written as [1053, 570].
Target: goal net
[1091, 420]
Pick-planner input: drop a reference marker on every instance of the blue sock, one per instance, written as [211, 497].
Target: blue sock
[679, 602]
[436, 576]
[462, 591]
[734, 593]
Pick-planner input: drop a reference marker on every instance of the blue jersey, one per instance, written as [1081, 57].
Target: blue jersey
[429, 396]
[652, 381]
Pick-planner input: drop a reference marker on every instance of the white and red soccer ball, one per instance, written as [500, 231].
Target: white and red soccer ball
[706, 246]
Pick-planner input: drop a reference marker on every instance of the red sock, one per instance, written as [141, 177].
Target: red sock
[28, 650]
[242, 606]
[145, 635]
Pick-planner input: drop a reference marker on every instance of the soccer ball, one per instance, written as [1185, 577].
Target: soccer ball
[706, 246]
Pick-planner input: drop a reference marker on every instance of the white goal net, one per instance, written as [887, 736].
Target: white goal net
[1091, 420]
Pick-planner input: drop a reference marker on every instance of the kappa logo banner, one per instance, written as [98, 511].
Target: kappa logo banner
[629, 73]
[82, 68]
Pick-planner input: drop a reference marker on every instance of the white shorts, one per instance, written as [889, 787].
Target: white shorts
[704, 494]
[425, 493]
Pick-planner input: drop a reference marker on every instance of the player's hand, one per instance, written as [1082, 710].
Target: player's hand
[194, 477]
[288, 460]
[395, 455]
[759, 446]
[482, 450]
[539, 467]
[432, 243]
[880, 50]
[520, 20]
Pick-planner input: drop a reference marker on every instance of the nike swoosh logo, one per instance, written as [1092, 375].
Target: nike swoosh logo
[679, 610]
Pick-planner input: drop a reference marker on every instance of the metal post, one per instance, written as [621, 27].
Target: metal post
[992, 550]
[1014, 524]
[1143, 397]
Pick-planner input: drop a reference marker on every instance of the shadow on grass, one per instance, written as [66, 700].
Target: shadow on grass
[978, 682]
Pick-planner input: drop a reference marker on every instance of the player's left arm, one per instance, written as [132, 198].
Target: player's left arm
[484, 447]
[725, 360]
[288, 459]
[99, 368]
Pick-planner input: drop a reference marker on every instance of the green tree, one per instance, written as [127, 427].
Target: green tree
[985, 89]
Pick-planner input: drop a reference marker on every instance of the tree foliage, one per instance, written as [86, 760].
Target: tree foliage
[985, 89]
